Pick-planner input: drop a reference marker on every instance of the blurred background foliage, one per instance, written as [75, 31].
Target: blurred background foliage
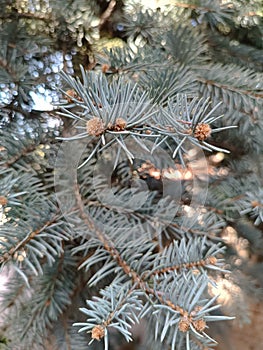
[39, 38]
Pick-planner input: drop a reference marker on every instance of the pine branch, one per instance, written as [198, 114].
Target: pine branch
[24, 152]
[108, 245]
[51, 296]
[210, 260]
[231, 88]
[161, 220]
[186, 319]
[21, 244]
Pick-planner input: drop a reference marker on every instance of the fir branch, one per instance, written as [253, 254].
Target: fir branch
[210, 260]
[12, 299]
[51, 298]
[231, 88]
[21, 244]
[149, 218]
[112, 314]
[108, 245]
[17, 156]
[187, 318]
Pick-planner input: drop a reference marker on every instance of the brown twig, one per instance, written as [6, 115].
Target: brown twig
[106, 14]
[211, 260]
[230, 88]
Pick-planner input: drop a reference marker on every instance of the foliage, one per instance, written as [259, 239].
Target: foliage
[131, 181]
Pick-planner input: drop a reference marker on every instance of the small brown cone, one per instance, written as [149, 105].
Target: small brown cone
[3, 200]
[202, 131]
[105, 68]
[199, 325]
[95, 126]
[98, 332]
[184, 325]
[120, 124]
[70, 94]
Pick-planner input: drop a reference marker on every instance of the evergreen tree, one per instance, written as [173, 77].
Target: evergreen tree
[130, 166]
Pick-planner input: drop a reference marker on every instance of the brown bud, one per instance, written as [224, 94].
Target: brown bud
[211, 260]
[255, 204]
[110, 126]
[98, 332]
[199, 325]
[202, 131]
[70, 94]
[95, 126]
[105, 68]
[184, 324]
[3, 200]
[120, 124]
